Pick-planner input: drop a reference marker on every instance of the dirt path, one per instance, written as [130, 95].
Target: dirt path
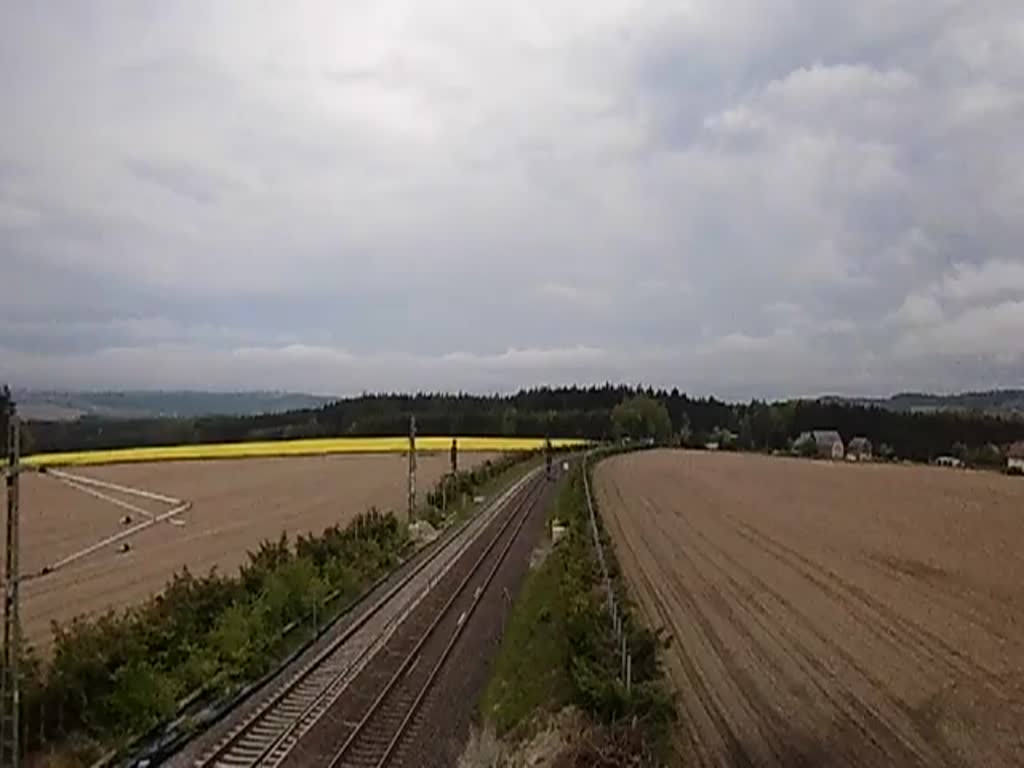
[236, 505]
[829, 615]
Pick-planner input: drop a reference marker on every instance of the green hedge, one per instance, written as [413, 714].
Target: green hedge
[118, 675]
[594, 655]
[467, 482]
[560, 649]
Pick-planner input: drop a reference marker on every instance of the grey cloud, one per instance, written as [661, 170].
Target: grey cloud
[991, 279]
[177, 178]
[750, 197]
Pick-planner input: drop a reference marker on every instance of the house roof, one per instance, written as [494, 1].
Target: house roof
[1016, 450]
[860, 442]
[826, 436]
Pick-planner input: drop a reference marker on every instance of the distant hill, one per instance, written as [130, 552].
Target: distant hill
[1002, 402]
[69, 406]
[42, 405]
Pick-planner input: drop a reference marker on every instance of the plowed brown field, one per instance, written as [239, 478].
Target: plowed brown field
[829, 614]
[236, 505]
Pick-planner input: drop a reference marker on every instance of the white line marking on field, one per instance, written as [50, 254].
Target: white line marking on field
[91, 486]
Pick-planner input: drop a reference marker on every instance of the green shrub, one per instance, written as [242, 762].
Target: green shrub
[594, 655]
[118, 675]
[467, 482]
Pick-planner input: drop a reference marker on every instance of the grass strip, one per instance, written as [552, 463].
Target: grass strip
[529, 676]
[559, 649]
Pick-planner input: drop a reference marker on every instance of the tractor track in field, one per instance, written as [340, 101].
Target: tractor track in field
[793, 642]
[792, 649]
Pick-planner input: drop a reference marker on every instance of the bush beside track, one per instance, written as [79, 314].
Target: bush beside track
[114, 677]
[203, 642]
[560, 650]
[452, 496]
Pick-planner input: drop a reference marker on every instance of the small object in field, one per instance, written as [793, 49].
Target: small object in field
[565, 466]
[478, 499]
[423, 532]
[558, 532]
[124, 548]
[126, 520]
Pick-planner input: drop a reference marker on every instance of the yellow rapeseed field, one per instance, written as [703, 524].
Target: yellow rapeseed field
[315, 447]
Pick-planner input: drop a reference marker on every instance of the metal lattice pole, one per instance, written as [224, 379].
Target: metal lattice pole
[412, 467]
[452, 476]
[10, 753]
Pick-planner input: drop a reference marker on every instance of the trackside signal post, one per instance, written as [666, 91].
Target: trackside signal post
[452, 477]
[412, 467]
[10, 727]
[548, 458]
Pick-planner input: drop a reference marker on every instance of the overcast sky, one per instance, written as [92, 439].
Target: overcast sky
[746, 197]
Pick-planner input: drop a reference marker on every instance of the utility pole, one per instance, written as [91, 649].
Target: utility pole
[453, 475]
[10, 727]
[412, 467]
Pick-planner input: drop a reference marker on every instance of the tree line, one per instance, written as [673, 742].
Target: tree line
[563, 412]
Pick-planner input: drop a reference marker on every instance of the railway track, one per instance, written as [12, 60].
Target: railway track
[270, 733]
[375, 716]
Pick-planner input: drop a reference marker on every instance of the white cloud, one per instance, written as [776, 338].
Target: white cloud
[571, 296]
[918, 310]
[585, 192]
[14, 216]
[969, 282]
[531, 359]
[319, 369]
[993, 332]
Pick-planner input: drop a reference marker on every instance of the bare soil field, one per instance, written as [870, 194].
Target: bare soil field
[829, 614]
[236, 505]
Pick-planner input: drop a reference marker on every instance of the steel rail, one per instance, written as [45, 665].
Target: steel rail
[525, 507]
[368, 652]
[422, 695]
[454, 548]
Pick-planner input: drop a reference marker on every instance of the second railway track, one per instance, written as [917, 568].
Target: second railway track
[385, 700]
[359, 684]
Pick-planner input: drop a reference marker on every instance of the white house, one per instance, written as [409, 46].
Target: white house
[859, 449]
[828, 443]
[1015, 457]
